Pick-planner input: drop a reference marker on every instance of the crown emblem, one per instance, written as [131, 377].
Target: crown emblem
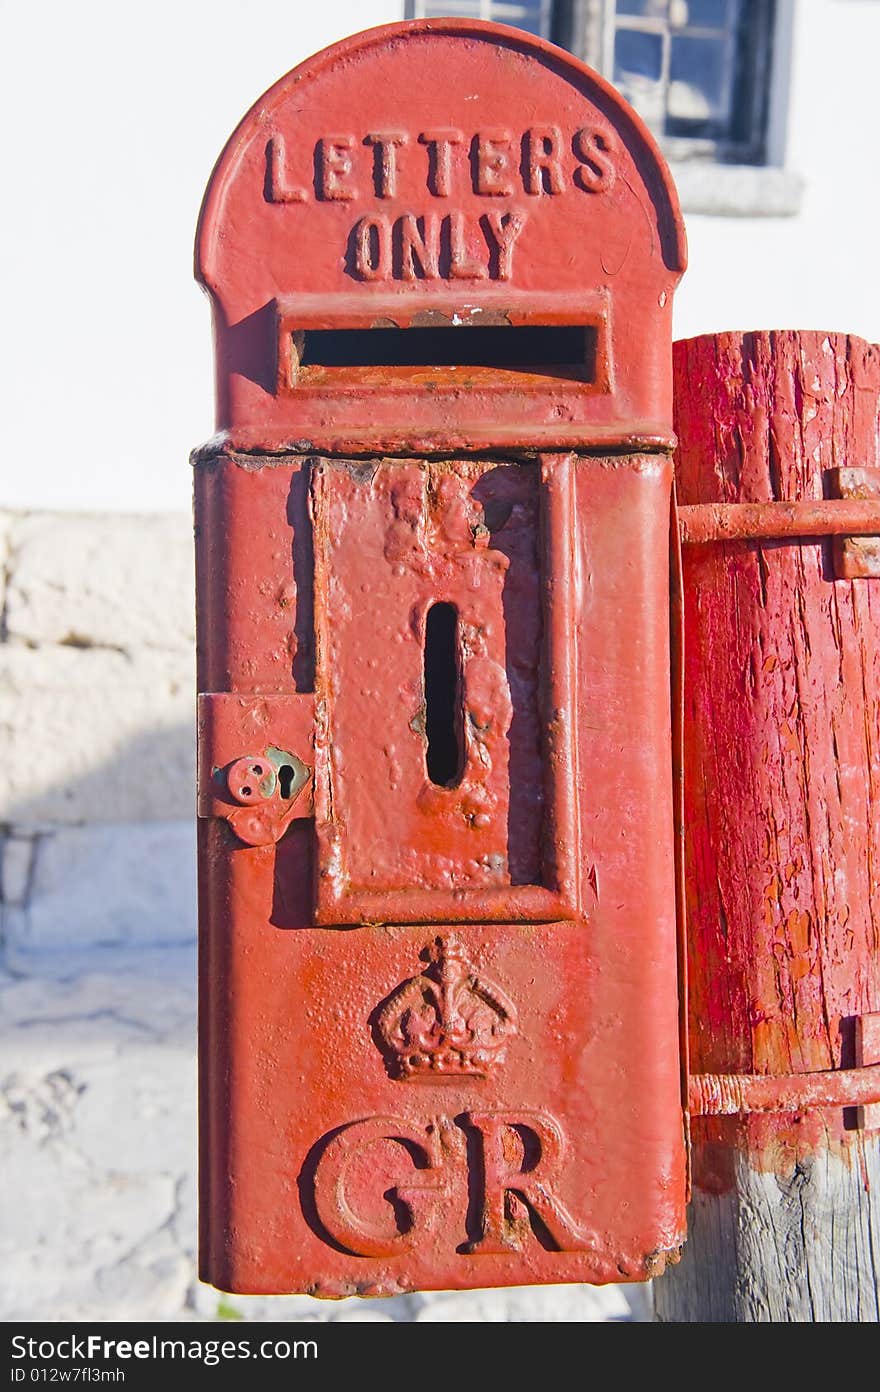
[447, 1022]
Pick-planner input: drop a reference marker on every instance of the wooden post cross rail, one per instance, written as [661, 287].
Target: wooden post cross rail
[706, 522]
[730, 1094]
[852, 518]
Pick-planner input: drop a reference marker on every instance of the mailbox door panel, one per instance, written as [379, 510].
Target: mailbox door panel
[454, 1098]
[434, 660]
[417, 696]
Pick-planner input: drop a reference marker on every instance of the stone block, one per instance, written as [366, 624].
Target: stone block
[95, 735]
[112, 1135]
[103, 886]
[7, 519]
[97, 1128]
[101, 580]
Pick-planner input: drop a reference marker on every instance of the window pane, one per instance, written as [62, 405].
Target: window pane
[531, 15]
[534, 17]
[697, 86]
[637, 56]
[439, 9]
[638, 67]
[710, 14]
[656, 9]
[530, 22]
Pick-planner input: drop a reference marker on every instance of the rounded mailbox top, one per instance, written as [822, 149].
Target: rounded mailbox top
[442, 234]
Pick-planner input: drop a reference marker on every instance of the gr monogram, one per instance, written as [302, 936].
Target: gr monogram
[383, 1187]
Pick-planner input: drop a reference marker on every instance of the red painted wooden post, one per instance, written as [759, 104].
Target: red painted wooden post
[782, 832]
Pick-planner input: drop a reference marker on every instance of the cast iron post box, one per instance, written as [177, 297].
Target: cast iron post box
[440, 1041]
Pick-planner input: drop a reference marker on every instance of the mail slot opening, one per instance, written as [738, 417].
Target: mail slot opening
[444, 755]
[569, 349]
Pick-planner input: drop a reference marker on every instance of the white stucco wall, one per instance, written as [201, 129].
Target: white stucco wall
[114, 116]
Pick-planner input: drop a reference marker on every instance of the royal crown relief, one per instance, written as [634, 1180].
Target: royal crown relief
[448, 1022]
[431, 243]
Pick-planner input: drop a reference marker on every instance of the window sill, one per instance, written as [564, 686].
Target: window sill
[737, 190]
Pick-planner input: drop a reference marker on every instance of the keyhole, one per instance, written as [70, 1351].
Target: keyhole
[443, 728]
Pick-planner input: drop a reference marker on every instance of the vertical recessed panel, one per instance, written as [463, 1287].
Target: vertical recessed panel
[429, 630]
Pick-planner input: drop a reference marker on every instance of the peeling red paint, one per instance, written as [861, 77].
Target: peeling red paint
[782, 734]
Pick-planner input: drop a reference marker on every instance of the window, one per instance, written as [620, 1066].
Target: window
[705, 75]
[564, 22]
[696, 70]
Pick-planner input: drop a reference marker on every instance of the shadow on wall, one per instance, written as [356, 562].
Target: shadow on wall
[150, 776]
[85, 870]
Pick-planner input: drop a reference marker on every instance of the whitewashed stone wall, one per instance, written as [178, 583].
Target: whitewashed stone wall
[96, 721]
[97, 981]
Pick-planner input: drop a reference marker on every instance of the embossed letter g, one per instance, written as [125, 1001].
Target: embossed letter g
[349, 1202]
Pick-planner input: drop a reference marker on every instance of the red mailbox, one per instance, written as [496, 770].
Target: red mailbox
[439, 1016]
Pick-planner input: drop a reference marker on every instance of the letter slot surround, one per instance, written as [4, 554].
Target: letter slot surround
[546, 341]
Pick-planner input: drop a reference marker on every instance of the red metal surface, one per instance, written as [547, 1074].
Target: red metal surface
[782, 747]
[302, 1032]
[439, 1028]
[362, 192]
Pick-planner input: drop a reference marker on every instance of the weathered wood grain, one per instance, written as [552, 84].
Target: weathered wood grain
[782, 833]
[795, 1247]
